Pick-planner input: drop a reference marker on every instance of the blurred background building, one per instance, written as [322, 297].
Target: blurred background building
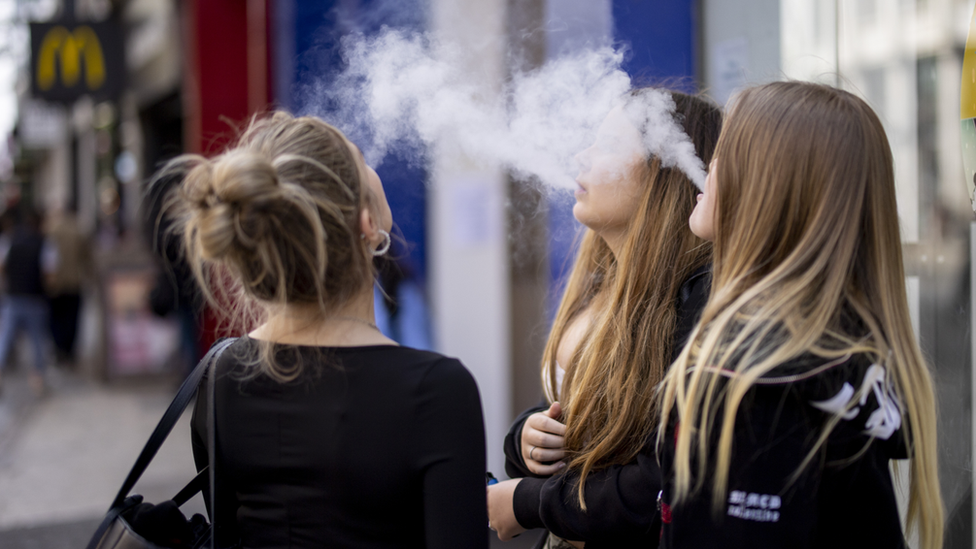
[188, 67]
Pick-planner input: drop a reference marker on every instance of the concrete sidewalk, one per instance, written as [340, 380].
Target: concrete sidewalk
[63, 457]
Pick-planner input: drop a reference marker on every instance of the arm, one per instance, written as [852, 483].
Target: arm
[621, 502]
[50, 259]
[514, 464]
[450, 445]
[198, 430]
[226, 499]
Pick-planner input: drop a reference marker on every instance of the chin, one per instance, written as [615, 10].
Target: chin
[579, 212]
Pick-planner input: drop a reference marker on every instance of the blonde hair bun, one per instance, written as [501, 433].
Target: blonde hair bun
[237, 193]
[279, 209]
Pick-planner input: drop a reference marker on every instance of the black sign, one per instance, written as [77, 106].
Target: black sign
[69, 60]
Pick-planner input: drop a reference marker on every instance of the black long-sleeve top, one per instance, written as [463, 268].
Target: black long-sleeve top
[621, 499]
[843, 499]
[372, 447]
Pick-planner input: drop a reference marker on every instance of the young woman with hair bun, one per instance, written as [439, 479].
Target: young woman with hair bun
[803, 380]
[327, 433]
[637, 286]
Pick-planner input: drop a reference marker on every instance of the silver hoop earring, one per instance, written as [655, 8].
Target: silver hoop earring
[385, 247]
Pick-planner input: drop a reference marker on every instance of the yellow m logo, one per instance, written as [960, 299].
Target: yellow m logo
[70, 47]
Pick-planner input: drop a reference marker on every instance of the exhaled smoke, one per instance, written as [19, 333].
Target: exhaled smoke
[402, 93]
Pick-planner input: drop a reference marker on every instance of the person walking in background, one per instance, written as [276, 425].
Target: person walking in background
[328, 433]
[66, 281]
[27, 260]
[175, 290]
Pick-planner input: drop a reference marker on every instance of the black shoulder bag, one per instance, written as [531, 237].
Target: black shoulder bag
[115, 532]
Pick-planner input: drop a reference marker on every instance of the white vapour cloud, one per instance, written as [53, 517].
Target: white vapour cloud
[404, 92]
[663, 136]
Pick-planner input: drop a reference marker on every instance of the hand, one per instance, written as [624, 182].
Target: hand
[501, 510]
[542, 441]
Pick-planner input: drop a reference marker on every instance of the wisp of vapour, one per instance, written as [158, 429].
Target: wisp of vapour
[403, 93]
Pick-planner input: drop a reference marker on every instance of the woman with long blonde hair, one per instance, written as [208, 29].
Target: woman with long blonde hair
[636, 288]
[803, 379]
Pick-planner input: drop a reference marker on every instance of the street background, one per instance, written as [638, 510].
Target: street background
[63, 456]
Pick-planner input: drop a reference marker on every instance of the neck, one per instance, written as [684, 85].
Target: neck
[615, 241]
[352, 323]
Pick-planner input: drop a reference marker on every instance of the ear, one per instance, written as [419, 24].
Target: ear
[368, 226]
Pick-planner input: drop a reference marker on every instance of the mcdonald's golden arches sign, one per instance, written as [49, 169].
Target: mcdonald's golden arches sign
[71, 60]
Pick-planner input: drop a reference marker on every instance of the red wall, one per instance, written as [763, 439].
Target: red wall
[216, 72]
[216, 80]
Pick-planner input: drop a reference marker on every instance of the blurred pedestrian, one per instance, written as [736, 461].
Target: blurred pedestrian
[175, 290]
[66, 281]
[26, 258]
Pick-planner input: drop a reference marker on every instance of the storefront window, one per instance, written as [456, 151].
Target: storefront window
[905, 58]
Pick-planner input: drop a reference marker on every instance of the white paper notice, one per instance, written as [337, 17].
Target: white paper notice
[730, 62]
[476, 212]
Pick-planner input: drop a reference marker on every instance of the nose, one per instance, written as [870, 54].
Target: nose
[582, 160]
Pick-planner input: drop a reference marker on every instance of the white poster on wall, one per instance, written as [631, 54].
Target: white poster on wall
[42, 125]
[730, 65]
[475, 206]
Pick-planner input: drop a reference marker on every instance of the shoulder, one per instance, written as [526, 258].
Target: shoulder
[416, 367]
[443, 390]
[856, 391]
[694, 290]
[445, 371]
[232, 353]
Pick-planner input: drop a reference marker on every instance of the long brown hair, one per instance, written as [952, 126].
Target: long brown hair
[274, 220]
[608, 392]
[806, 238]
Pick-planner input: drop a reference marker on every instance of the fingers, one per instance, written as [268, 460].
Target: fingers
[540, 454]
[555, 411]
[542, 422]
[543, 461]
[543, 441]
[501, 513]
[545, 469]
[537, 437]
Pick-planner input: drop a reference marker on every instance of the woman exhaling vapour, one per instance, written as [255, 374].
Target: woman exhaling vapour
[292, 216]
[636, 289]
[803, 379]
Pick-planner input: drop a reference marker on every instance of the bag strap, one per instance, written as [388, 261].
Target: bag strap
[169, 419]
[212, 449]
[193, 487]
[173, 413]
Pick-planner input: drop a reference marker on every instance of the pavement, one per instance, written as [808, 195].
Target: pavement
[64, 456]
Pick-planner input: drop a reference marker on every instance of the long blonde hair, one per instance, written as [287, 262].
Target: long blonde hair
[273, 220]
[806, 234]
[607, 391]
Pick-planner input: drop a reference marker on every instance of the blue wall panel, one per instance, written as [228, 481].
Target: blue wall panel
[310, 32]
[661, 43]
[661, 37]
